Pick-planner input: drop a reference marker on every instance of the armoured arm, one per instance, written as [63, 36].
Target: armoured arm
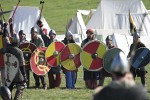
[22, 66]
[44, 37]
[22, 69]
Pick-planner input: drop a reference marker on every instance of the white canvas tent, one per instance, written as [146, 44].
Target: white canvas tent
[114, 14]
[112, 17]
[77, 25]
[124, 41]
[25, 18]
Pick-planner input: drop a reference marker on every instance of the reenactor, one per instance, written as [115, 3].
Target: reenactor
[90, 77]
[103, 73]
[70, 76]
[140, 72]
[55, 70]
[20, 78]
[38, 42]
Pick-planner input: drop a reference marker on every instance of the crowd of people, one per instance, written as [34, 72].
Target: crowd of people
[121, 87]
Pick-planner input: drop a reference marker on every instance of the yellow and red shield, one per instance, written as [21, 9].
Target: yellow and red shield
[38, 63]
[52, 54]
[1, 55]
[70, 57]
[92, 55]
[27, 49]
[108, 58]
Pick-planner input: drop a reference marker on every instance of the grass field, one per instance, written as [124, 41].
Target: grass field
[80, 93]
[57, 13]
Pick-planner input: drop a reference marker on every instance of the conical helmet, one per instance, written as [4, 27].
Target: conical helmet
[120, 63]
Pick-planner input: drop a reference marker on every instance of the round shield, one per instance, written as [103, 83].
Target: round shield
[92, 55]
[11, 68]
[1, 55]
[70, 56]
[52, 54]
[27, 49]
[108, 58]
[141, 57]
[38, 63]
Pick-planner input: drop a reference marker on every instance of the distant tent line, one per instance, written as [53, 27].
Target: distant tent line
[112, 18]
[107, 19]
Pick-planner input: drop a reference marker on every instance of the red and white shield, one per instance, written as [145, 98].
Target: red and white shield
[70, 57]
[52, 54]
[38, 63]
[92, 55]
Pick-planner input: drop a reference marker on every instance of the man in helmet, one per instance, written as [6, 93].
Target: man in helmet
[70, 76]
[5, 93]
[54, 71]
[20, 78]
[103, 73]
[22, 37]
[5, 43]
[90, 77]
[35, 39]
[123, 86]
[109, 42]
[141, 72]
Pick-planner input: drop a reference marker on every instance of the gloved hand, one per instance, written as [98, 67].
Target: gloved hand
[40, 23]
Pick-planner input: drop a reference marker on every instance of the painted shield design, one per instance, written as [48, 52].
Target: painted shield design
[141, 57]
[70, 57]
[92, 55]
[38, 63]
[27, 49]
[52, 54]
[11, 68]
[1, 55]
[108, 58]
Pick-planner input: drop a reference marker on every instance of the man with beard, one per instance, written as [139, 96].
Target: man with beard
[90, 77]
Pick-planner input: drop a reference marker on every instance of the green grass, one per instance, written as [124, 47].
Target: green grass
[80, 93]
[57, 13]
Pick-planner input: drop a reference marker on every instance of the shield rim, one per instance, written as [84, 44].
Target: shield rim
[30, 49]
[134, 55]
[106, 53]
[2, 64]
[85, 46]
[17, 68]
[45, 60]
[79, 54]
[59, 52]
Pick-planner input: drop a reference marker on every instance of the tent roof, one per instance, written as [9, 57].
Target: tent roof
[25, 18]
[113, 14]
